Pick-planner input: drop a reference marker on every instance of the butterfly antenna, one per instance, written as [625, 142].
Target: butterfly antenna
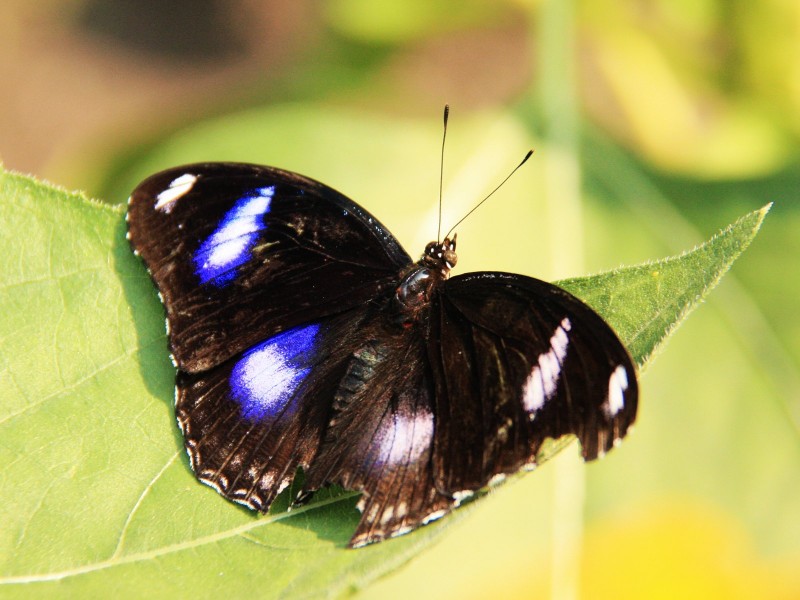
[524, 160]
[441, 172]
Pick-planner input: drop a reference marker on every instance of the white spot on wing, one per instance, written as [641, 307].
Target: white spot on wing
[373, 512]
[387, 515]
[408, 438]
[437, 514]
[401, 531]
[542, 383]
[283, 485]
[496, 479]
[460, 496]
[617, 384]
[178, 187]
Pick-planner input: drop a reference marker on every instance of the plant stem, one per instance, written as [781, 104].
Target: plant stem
[556, 46]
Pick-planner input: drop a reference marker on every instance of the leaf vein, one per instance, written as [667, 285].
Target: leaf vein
[172, 548]
[121, 540]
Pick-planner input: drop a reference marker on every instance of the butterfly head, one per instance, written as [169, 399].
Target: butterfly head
[441, 255]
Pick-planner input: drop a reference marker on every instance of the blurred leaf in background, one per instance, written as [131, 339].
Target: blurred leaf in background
[686, 118]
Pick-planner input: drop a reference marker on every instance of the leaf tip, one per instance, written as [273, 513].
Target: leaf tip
[761, 215]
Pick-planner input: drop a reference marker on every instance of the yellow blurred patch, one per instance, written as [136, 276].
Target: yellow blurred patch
[681, 550]
[680, 125]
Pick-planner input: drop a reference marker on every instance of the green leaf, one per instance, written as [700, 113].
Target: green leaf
[645, 303]
[96, 495]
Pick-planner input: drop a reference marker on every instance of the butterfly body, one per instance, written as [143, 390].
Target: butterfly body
[305, 336]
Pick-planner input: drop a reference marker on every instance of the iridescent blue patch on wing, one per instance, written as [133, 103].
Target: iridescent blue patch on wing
[267, 375]
[217, 258]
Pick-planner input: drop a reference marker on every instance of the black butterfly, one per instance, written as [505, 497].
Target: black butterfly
[305, 336]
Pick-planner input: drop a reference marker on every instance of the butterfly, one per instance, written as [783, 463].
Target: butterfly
[305, 337]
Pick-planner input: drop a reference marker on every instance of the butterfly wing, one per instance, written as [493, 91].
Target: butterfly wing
[363, 420]
[251, 421]
[516, 361]
[426, 415]
[242, 252]
[266, 277]
[380, 437]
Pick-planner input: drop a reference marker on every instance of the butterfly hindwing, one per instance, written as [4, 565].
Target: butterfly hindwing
[516, 361]
[241, 252]
[251, 421]
[380, 437]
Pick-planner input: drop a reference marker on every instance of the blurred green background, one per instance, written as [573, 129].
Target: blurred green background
[655, 123]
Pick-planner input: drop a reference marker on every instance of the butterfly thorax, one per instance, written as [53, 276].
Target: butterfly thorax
[419, 283]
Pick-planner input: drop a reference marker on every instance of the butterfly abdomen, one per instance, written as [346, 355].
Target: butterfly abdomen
[359, 372]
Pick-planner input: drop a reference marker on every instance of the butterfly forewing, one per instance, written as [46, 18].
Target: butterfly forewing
[242, 252]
